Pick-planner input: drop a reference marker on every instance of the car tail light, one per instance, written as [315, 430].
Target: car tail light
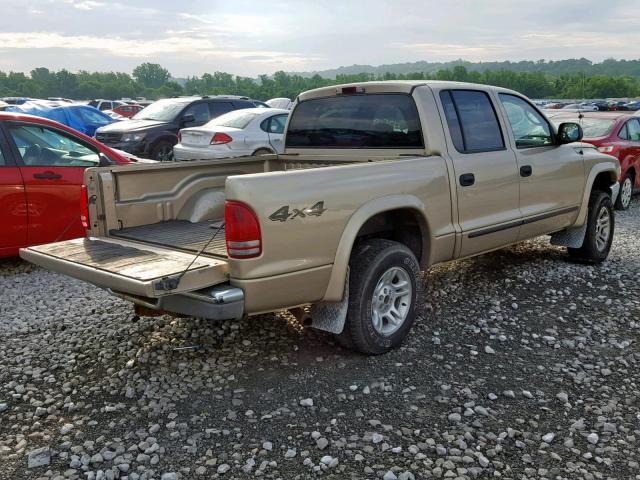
[241, 231]
[607, 149]
[220, 138]
[84, 206]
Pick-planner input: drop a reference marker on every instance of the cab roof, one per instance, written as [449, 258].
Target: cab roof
[397, 86]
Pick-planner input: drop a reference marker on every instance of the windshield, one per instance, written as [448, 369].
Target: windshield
[592, 127]
[162, 111]
[356, 121]
[235, 119]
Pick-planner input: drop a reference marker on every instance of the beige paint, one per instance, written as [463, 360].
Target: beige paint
[305, 259]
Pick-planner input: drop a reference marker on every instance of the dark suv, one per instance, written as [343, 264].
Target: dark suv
[153, 132]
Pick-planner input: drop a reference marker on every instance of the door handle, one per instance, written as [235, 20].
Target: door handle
[47, 176]
[526, 171]
[467, 179]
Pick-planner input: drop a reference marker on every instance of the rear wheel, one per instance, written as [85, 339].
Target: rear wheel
[600, 229]
[162, 151]
[626, 190]
[384, 283]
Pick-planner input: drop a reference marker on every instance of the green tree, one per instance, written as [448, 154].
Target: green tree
[151, 75]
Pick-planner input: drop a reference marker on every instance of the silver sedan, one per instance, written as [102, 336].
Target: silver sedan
[250, 131]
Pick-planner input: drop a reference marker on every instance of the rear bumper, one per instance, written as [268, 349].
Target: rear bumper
[221, 302]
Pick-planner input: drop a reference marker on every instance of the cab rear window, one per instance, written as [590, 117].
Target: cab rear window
[356, 121]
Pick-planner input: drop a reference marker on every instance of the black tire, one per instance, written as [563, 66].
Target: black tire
[262, 151]
[594, 250]
[369, 263]
[162, 151]
[624, 200]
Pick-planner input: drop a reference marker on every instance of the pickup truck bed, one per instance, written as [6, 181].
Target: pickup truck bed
[179, 234]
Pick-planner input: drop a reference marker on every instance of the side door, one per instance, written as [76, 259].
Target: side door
[52, 164]
[275, 129]
[551, 176]
[485, 172]
[13, 204]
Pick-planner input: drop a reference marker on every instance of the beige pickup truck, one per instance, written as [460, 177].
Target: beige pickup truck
[378, 182]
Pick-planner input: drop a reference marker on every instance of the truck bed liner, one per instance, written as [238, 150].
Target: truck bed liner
[180, 234]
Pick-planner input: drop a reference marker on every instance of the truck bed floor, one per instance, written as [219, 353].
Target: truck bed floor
[180, 234]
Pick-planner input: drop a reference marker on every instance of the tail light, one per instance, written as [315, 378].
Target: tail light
[607, 149]
[220, 138]
[84, 206]
[241, 231]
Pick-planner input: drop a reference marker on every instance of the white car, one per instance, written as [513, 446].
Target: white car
[250, 131]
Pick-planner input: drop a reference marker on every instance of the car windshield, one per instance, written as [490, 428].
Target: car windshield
[592, 127]
[162, 111]
[235, 119]
[356, 121]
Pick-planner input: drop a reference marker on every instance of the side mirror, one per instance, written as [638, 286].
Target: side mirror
[189, 118]
[569, 132]
[105, 161]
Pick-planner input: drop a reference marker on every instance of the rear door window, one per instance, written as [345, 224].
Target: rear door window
[472, 121]
[386, 120]
[633, 130]
[200, 113]
[276, 126]
[220, 108]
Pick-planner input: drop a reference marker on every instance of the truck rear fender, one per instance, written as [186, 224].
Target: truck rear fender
[368, 220]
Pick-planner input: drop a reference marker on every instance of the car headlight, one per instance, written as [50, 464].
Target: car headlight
[132, 137]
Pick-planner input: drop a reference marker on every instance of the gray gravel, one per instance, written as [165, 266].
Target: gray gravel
[521, 366]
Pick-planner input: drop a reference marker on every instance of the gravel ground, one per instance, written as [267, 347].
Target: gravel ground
[521, 366]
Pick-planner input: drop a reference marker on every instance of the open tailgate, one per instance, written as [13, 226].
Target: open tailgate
[128, 266]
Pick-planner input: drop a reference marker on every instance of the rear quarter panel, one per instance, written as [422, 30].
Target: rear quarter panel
[301, 243]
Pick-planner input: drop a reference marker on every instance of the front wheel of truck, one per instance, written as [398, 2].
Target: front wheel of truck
[384, 284]
[600, 228]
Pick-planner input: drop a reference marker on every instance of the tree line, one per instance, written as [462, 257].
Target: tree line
[153, 81]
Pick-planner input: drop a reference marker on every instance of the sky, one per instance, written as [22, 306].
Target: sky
[254, 37]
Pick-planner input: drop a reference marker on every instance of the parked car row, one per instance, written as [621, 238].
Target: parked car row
[153, 132]
[591, 105]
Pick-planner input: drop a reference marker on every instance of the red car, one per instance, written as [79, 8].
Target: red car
[617, 134]
[42, 164]
[127, 110]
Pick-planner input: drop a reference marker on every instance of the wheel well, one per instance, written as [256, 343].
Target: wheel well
[603, 182]
[632, 171]
[262, 148]
[405, 226]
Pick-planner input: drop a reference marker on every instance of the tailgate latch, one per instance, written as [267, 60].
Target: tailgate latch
[167, 283]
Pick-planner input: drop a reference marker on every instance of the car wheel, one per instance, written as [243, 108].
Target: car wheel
[626, 190]
[162, 151]
[384, 284]
[262, 151]
[600, 228]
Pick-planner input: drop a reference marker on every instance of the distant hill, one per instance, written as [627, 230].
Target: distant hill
[613, 67]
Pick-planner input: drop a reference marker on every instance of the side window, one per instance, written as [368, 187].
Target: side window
[39, 146]
[243, 104]
[93, 103]
[3, 162]
[476, 120]
[200, 112]
[277, 124]
[105, 106]
[633, 130]
[624, 132]
[220, 108]
[452, 120]
[529, 128]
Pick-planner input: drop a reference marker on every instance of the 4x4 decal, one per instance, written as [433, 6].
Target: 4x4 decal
[283, 214]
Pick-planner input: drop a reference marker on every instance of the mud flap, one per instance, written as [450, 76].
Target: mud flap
[331, 316]
[571, 237]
